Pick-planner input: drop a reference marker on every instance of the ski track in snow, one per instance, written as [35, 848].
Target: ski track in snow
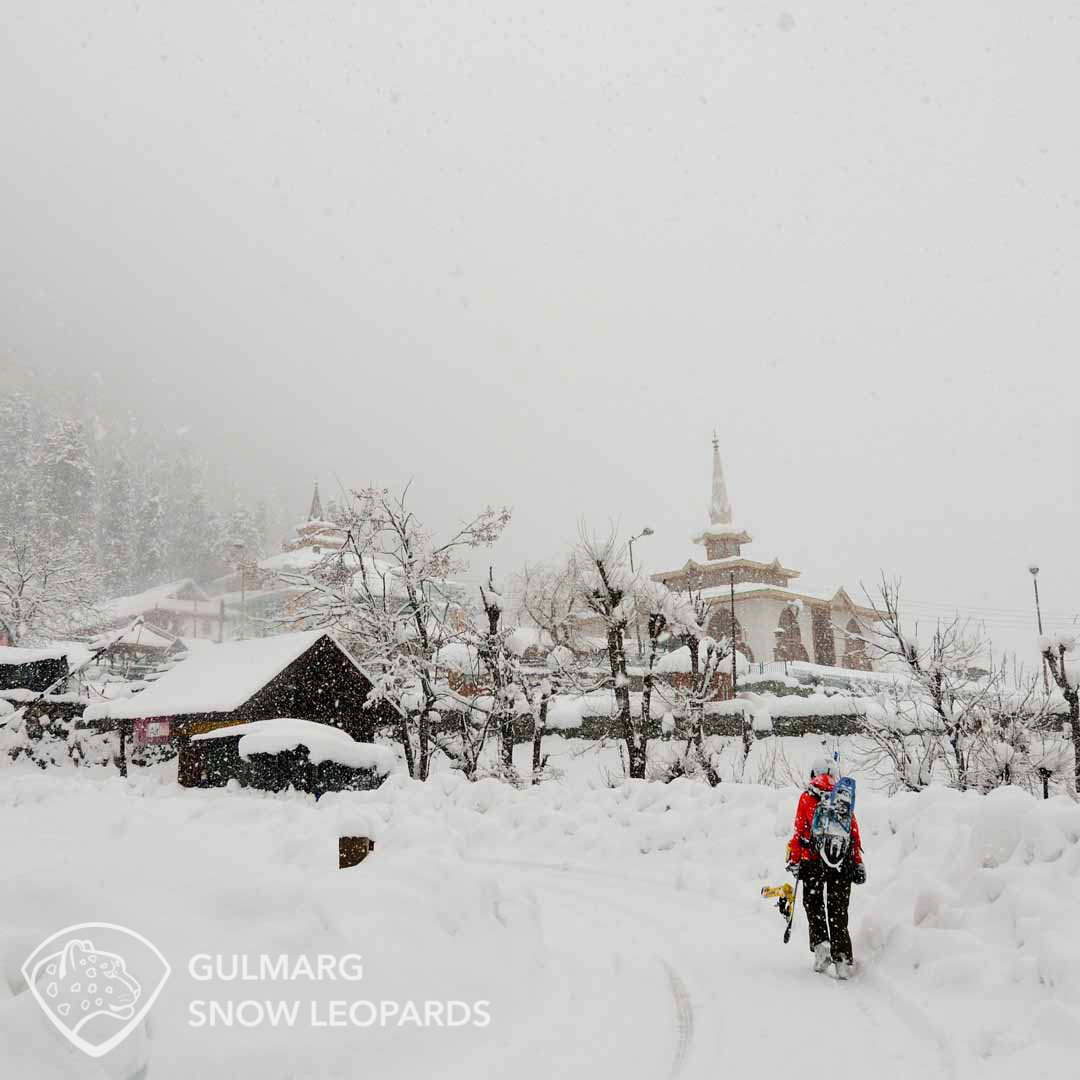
[721, 1014]
[684, 1019]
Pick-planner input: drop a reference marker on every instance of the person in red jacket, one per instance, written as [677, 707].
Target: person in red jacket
[826, 892]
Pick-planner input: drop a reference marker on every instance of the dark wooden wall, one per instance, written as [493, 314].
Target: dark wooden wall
[324, 685]
[34, 675]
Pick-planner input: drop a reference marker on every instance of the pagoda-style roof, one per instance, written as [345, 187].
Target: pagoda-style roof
[735, 562]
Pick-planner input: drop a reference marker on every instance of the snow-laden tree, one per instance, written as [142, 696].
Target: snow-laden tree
[48, 588]
[239, 544]
[150, 546]
[20, 494]
[1020, 742]
[194, 527]
[391, 591]
[948, 699]
[549, 598]
[943, 688]
[116, 529]
[697, 681]
[1059, 654]
[551, 610]
[485, 687]
[607, 589]
[67, 478]
[501, 668]
[260, 525]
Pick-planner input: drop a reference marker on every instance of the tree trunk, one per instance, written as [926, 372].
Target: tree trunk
[424, 764]
[122, 759]
[711, 774]
[406, 745]
[539, 726]
[958, 757]
[506, 739]
[635, 740]
[747, 740]
[1073, 698]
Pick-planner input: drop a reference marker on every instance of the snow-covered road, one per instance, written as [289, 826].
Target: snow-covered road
[696, 987]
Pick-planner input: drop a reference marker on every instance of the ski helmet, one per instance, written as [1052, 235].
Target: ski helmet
[820, 767]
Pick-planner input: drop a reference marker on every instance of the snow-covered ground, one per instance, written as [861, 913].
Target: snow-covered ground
[615, 931]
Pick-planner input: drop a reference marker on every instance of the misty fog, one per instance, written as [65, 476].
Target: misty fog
[534, 257]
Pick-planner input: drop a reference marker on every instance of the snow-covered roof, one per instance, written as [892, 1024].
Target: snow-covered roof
[746, 588]
[215, 680]
[183, 595]
[298, 560]
[145, 637]
[323, 742]
[13, 654]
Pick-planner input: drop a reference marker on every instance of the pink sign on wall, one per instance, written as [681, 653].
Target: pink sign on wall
[151, 730]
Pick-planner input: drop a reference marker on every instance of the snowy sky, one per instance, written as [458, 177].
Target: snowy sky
[533, 254]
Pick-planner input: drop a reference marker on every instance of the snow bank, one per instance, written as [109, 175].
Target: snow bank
[523, 638]
[965, 930]
[793, 705]
[243, 874]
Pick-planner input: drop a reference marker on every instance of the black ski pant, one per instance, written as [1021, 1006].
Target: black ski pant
[826, 893]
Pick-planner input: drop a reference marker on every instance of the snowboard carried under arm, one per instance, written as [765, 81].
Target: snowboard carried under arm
[830, 830]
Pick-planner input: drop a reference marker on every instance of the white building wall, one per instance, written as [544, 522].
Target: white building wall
[806, 630]
[759, 617]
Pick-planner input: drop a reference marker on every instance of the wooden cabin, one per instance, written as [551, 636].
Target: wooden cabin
[306, 676]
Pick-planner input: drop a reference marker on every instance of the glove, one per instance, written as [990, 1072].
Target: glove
[858, 875]
[793, 869]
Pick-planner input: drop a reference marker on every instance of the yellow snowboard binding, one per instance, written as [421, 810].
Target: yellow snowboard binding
[784, 895]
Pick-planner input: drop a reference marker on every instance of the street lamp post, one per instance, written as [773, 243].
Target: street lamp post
[734, 638]
[644, 532]
[1033, 570]
[647, 531]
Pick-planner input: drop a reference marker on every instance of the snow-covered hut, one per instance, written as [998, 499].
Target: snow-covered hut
[285, 752]
[307, 676]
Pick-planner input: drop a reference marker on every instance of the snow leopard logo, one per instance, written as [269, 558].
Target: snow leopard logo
[90, 992]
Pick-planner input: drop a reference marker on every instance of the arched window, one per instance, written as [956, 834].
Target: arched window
[855, 647]
[720, 628]
[789, 644]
